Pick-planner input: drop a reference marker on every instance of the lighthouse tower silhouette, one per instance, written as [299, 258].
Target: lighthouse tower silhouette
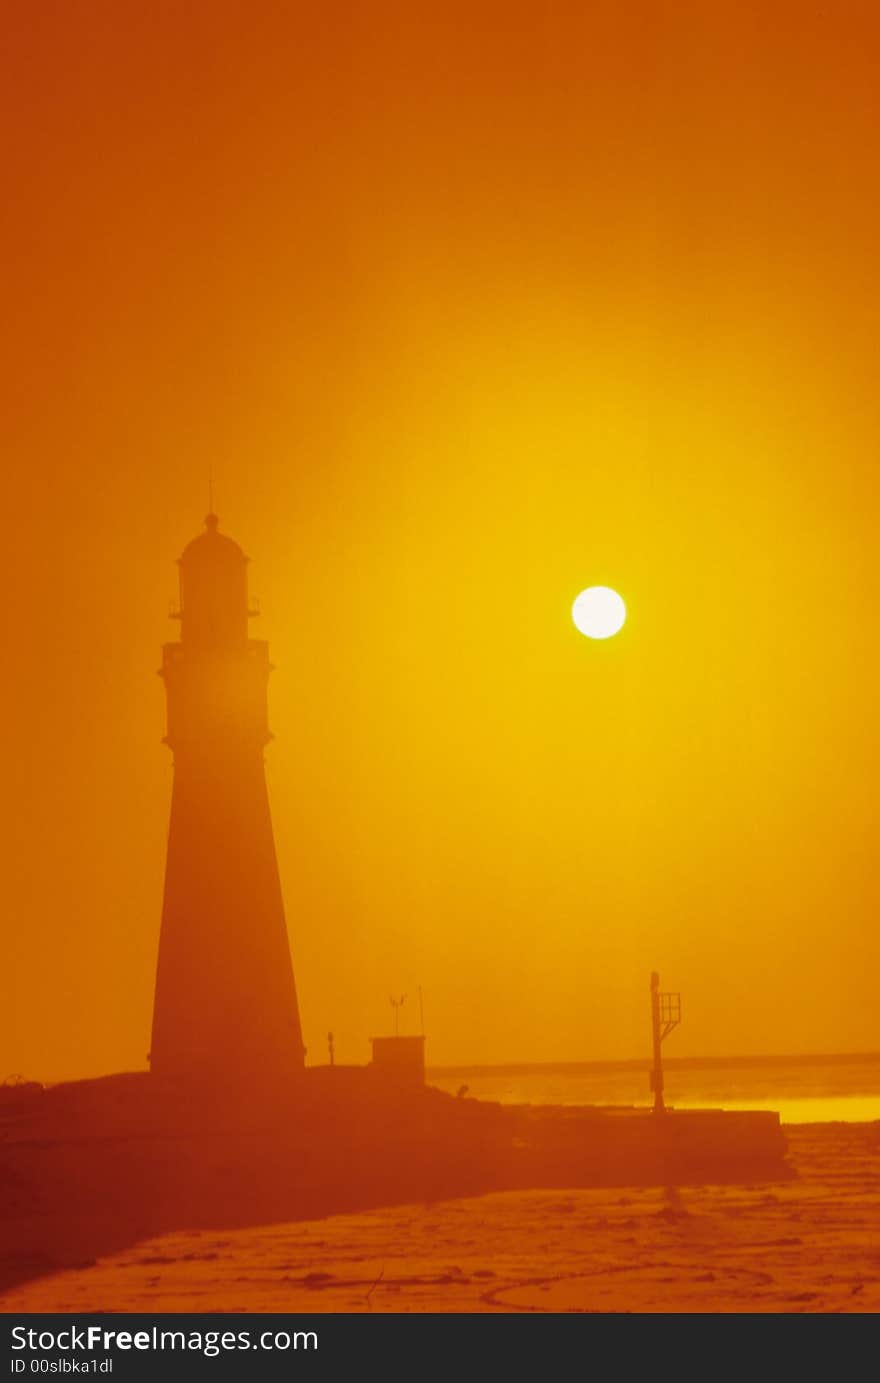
[225, 1005]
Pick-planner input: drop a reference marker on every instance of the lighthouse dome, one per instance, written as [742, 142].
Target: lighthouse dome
[212, 545]
[213, 591]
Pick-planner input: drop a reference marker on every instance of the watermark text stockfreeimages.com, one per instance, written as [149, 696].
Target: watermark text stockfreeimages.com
[89, 1339]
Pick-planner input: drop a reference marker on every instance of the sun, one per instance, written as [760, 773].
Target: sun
[598, 612]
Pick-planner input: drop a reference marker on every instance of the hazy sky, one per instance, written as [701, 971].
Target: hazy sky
[470, 306]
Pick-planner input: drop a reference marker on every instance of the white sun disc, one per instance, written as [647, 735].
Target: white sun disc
[598, 612]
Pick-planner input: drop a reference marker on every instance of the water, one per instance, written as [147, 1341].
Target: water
[805, 1090]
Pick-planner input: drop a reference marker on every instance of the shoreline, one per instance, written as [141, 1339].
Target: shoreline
[804, 1244]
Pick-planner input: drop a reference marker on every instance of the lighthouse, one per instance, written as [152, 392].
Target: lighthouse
[225, 1008]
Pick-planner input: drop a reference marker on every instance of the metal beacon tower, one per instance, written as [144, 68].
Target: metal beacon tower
[225, 1009]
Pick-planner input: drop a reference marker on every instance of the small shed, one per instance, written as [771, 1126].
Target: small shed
[400, 1060]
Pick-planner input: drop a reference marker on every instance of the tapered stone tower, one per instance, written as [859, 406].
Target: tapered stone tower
[225, 1007]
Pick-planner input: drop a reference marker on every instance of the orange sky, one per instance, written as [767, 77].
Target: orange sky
[470, 305]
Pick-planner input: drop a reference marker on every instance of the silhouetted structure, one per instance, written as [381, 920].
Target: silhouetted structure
[400, 1060]
[225, 1005]
[665, 1015]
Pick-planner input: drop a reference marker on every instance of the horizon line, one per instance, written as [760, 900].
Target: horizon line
[609, 1063]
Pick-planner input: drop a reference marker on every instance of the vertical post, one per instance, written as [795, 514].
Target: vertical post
[657, 1073]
